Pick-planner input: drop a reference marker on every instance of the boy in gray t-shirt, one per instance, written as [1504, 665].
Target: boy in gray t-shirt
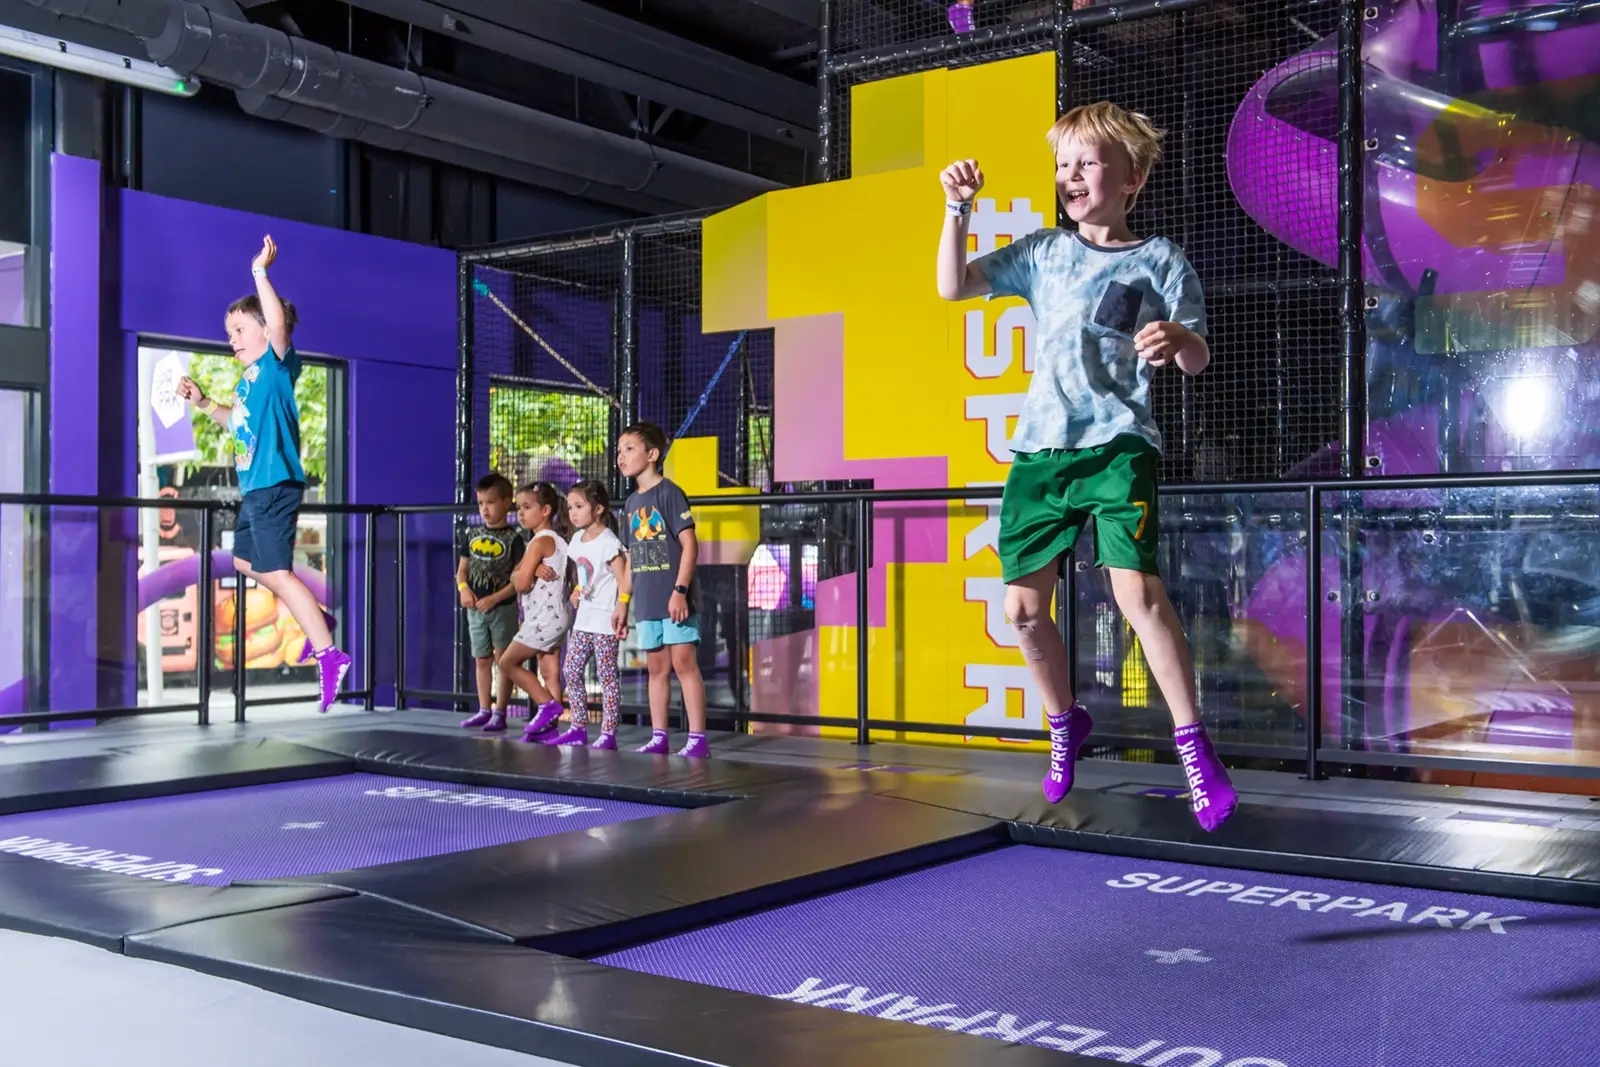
[658, 530]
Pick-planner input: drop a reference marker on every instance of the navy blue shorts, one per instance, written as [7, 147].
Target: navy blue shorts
[268, 519]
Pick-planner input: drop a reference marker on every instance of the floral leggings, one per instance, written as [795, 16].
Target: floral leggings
[604, 648]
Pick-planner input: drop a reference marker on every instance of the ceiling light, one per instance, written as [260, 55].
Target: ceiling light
[66, 55]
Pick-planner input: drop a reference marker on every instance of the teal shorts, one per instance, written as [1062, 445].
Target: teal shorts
[658, 633]
[1050, 496]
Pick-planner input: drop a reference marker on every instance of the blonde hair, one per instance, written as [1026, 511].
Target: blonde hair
[1106, 123]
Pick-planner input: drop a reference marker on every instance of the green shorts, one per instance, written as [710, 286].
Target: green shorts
[1049, 496]
[492, 632]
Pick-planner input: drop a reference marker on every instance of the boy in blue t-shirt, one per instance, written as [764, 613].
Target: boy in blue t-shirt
[1111, 309]
[264, 426]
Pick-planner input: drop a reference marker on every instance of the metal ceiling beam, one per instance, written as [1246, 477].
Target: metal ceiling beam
[582, 40]
[804, 12]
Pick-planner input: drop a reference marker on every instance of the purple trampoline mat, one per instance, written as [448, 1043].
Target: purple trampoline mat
[1155, 963]
[299, 828]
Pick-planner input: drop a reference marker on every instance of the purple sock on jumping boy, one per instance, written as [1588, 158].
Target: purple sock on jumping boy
[1068, 731]
[1211, 794]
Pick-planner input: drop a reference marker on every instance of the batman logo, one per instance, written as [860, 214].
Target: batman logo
[487, 547]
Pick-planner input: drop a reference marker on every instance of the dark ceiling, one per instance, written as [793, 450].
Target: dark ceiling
[729, 81]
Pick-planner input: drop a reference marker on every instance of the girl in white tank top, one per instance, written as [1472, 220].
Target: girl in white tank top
[541, 579]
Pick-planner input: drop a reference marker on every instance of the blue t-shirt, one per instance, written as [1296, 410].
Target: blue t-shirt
[266, 423]
[1089, 385]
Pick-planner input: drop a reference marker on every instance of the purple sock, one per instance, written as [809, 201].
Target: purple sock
[606, 742]
[480, 719]
[572, 735]
[331, 667]
[658, 744]
[1211, 794]
[697, 748]
[961, 19]
[1068, 731]
[496, 723]
[543, 721]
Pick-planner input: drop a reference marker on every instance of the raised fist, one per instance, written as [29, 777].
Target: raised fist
[962, 180]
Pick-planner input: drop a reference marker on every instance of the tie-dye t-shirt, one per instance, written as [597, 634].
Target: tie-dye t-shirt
[1089, 301]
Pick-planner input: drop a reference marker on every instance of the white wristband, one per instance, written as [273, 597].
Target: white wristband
[259, 272]
[958, 207]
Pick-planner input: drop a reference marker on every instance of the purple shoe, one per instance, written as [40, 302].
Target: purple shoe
[577, 736]
[1211, 794]
[1067, 734]
[605, 742]
[496, 723]
[331, 667]
[961, 19]
[657, 745]
[480, 719]
[544, 721]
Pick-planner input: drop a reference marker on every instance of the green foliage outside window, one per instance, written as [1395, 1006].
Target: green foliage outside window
[529, 427]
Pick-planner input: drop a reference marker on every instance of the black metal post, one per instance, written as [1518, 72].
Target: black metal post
[399, 612]
[240, 604]
[465, 384]
[825, 92]
[1352, 150]
[369, 615]
[1061, 39]
[628, 331]
[205, 643]
[863, 621]
[1313, 700]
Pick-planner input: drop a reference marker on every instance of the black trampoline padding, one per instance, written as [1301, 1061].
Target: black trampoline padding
[102, 909]
[372, 958]
[580, 893]
[1529, 862]
[159, 771]
[475, 759]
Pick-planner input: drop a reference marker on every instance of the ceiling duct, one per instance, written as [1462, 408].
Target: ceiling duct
[431, 117]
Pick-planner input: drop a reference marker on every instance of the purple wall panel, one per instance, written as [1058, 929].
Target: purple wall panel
[359, 297]
[76, 217]
[385, 308]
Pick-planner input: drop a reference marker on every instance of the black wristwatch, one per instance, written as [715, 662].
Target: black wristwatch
[681, 589]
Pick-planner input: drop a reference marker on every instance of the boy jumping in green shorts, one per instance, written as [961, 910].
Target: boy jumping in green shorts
[1111, 309]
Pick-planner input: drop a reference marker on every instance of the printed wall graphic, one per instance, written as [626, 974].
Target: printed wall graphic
[878, 378]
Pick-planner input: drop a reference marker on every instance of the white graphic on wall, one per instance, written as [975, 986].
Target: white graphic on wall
[1178, 955]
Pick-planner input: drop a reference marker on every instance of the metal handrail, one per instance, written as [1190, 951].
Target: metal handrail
[1310, 492]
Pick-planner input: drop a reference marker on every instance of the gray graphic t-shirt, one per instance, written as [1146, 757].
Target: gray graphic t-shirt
[655, 518]
[491, 554]
[1089, 385]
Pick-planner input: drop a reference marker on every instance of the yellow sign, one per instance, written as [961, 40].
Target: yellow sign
[878, 378]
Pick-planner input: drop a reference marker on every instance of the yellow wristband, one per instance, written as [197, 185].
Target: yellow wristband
[463, 586]
[623, 598]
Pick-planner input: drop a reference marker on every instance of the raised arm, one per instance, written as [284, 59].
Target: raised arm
[277, 322]
[956, 279]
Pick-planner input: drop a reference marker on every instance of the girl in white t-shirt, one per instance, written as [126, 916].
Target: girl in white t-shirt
[602, 613]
